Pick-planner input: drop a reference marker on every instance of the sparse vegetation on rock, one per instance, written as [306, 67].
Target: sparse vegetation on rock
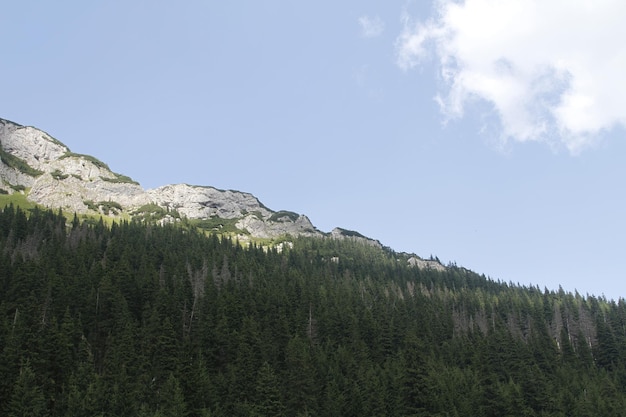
[18, 164]
[282, 214]
[58, 175]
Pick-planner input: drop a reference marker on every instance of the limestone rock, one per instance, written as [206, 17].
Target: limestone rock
[426, 264]
[34, 146]
[339, 233]
[196, 202]
[49, 174]
[269, 228]
[55, 177]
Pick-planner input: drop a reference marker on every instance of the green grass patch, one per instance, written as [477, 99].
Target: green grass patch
[18, 200]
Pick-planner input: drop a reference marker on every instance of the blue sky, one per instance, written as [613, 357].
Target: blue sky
[487, 133]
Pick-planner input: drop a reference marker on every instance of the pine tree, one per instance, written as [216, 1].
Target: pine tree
[417, 389]
[268, 396]
[171, 398]
[300, 377]
[27, 399]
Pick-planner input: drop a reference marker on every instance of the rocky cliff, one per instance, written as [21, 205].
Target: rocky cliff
[49, 174]
[42, 168]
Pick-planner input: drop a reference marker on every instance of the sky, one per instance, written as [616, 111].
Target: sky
[488, 133]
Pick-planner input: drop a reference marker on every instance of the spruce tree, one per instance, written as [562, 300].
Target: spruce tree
[27, 399]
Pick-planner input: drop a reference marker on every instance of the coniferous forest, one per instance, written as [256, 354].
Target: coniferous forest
[136, 319]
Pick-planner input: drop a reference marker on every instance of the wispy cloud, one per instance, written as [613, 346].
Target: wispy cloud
[551, 70]
[371, 27]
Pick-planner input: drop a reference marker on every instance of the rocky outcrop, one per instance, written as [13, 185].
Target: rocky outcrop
[426, 264]
[198, 202]
[42, 167]
[74, 194]
[339, 233]
[34, 163]
[33, 146]
[53, 176]
[269, 228]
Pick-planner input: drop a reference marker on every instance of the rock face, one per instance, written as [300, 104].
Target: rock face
[45, 170]
[55, 177]
[278, 226]
[198, 202]
[426, 264]
[36, 164]
[339, 233]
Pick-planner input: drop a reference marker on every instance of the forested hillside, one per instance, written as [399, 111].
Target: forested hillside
[144, 320]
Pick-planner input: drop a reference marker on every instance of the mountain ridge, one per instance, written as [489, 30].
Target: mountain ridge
[48, 173]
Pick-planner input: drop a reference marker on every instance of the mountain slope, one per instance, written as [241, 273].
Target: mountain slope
[43, 168]
[48, 173]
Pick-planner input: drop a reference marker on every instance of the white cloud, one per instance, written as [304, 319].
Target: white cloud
[553, 70]
[371, 27]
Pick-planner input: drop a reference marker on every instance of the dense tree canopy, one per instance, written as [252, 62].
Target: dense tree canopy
[146, 320]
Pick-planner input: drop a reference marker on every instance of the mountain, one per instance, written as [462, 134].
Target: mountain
[48, 173]
[117, 318]
[53, 176]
